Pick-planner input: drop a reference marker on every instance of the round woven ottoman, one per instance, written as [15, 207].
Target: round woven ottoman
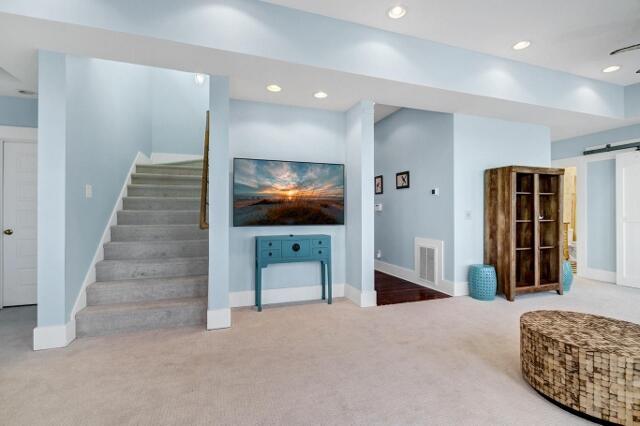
[587, 363]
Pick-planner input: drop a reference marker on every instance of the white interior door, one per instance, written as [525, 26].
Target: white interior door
[628, 218]
[19, 224]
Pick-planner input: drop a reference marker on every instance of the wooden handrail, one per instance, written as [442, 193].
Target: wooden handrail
[204, 189]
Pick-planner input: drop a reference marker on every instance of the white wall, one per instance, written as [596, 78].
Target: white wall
[479, 144]
[275, 132]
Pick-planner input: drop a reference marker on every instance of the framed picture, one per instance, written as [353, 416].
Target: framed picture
[402, 180]
[379, 185]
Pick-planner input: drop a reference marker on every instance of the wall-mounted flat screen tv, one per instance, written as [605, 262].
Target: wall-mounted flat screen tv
[271, 192]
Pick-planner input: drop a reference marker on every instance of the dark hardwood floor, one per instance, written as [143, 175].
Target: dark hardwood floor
[392, 290]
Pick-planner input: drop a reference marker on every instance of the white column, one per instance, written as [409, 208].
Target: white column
[51, 330]
[359, 204]
[219, 314]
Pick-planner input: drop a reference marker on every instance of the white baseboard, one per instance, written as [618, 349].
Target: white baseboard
[445, 286]
[598, 275]
[18, 133]
[55, 336]
[218, 318]
[364, 299]
[165, 157]
[282, 295]
[90, 277]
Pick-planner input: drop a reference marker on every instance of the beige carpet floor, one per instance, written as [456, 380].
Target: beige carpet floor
[441, 362]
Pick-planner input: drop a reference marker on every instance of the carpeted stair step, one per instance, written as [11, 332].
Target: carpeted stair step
[169, 170]
[158, 217]
[154, 179]
[146, 290]
[102, 320]
[124, 250]
[114, 270]
[190, 191]
[157, 233]
[161, 203]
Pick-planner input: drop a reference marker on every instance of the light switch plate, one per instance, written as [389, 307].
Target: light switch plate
[88, 191]
[378, 207]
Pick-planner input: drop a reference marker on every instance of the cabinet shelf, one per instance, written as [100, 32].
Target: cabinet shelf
[525, 250]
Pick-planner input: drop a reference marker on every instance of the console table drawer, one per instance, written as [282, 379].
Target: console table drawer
[320, 242]
[321, 251]
[295, 248]
[270, 244]
[270, 254]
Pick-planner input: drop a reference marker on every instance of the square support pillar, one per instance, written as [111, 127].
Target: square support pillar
[219, 313]
[52, 330]
[359, 204]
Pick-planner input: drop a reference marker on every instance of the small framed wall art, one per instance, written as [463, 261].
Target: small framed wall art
[379, 185]
[402, 180]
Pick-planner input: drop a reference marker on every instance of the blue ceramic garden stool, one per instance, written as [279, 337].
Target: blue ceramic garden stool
[567, 276]
[482, 282]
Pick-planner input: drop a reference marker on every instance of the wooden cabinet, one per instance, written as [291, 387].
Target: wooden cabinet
[523, 228]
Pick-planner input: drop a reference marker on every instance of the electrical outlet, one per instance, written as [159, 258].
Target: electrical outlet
[379, 254]
[88, 191]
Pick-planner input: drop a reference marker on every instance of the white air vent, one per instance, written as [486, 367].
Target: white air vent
[428, 260]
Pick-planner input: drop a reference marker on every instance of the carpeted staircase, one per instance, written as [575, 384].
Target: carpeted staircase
[154, 272]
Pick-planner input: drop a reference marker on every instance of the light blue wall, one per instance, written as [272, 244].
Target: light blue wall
[108, 123]
[632, 100]
[601, 215]
[178, 112]
[258, 28]
[480, 144]
[19, 112]
[275, 132]
[574, 147]
[421, 142]
[51, 189]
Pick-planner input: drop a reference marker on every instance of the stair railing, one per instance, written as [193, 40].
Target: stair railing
[204, 188]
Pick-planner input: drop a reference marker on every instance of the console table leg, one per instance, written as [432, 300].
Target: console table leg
[259, 288]
[322, 269]
[329, 281]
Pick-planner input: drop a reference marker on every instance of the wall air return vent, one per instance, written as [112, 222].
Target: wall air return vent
[429, 261]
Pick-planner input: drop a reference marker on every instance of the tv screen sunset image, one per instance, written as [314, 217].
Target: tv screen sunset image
[269, 192]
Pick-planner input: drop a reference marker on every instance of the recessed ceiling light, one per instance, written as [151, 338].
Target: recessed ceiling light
[320, 95]
[396, 12]
[612, 68]
[521, 45]
[274, 88]
[199, 79]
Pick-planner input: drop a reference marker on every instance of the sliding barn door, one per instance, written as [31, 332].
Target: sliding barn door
[628, 218]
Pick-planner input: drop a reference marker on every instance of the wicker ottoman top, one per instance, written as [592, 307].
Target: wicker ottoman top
[585, 331]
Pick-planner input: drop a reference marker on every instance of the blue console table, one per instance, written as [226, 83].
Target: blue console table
[293, 248]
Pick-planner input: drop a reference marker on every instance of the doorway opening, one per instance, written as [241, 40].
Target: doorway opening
[413, 203]
[570, 217]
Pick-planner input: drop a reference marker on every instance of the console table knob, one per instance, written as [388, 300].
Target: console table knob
[295, 247]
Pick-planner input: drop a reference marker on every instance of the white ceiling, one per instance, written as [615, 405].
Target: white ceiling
[575, 36]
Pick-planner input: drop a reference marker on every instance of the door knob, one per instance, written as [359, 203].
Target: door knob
[8, 232]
